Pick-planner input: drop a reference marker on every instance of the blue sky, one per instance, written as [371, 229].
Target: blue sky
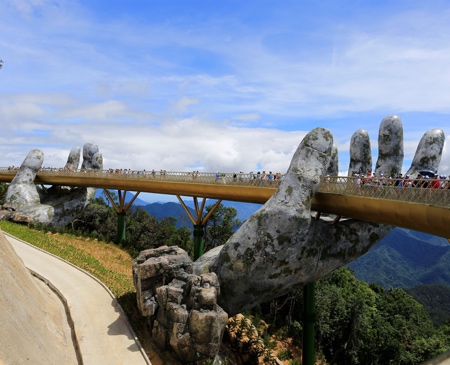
[217, 85]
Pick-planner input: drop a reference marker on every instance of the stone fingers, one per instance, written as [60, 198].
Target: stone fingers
[333, 167]
[345, 241]
[390, 147]
[73, 161]
[428, 153]
[311, 161]
[92, 158]
[349, 239]
[30, 167]
[360, 153]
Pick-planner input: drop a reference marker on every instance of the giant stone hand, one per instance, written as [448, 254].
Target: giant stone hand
[282, 247]
[56, 205]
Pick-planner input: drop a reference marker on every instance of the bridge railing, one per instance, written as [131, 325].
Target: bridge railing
[423, 191]
[416, 191]
[226, 178]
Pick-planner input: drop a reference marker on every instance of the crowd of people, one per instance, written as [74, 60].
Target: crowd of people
[423, 180]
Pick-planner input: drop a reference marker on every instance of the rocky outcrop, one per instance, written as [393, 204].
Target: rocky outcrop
[56, 205]
[181, 307]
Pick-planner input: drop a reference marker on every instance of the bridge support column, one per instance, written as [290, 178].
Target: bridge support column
[199, 223]
[121, 209]
[309, 318]
[121, 227]
[199, 234]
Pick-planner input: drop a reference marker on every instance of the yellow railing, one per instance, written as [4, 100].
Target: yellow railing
[405, 190]
[227, 178]
[415, 191]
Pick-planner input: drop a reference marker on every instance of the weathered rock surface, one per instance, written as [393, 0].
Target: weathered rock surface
[390, 147]
[360, 153]
[34, 327]
[181, 307]
[57, 205]
[429, 152]
[73, 161]
[22, 192]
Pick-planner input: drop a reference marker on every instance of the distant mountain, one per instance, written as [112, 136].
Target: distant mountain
[175, 210]
[244, 210]
[128, 197]
[163, 210]
[404, 259]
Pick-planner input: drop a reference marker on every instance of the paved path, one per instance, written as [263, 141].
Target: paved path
[104, 334]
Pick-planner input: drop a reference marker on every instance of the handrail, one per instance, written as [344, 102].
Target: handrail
[412, 204]
[417, 191]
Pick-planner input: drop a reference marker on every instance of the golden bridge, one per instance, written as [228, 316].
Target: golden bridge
[420, 209]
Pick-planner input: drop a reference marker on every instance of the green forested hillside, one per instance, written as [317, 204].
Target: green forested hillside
[357, 323]
[416, 261]
[435, 298]
[405, 259]
[175, 210]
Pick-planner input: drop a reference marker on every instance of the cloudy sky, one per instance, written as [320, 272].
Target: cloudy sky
[222, 85]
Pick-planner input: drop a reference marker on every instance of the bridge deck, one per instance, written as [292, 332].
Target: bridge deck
[421, 209]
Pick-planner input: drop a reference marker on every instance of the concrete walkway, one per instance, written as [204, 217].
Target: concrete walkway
[102, 329]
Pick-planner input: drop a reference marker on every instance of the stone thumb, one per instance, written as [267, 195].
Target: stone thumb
[22, 190]
[310, 163]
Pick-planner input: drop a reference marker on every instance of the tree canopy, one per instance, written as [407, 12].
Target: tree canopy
[142, 230]
[220, 226]
[358, 323]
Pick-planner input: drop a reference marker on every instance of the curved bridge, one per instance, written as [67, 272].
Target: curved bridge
[420, 209]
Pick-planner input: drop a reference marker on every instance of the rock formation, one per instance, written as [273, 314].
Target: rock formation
[181, 307]
[56, 205]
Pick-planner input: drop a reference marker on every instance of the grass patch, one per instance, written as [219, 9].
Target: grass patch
[107, 262]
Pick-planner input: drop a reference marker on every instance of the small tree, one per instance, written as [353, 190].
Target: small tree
[220, 226]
